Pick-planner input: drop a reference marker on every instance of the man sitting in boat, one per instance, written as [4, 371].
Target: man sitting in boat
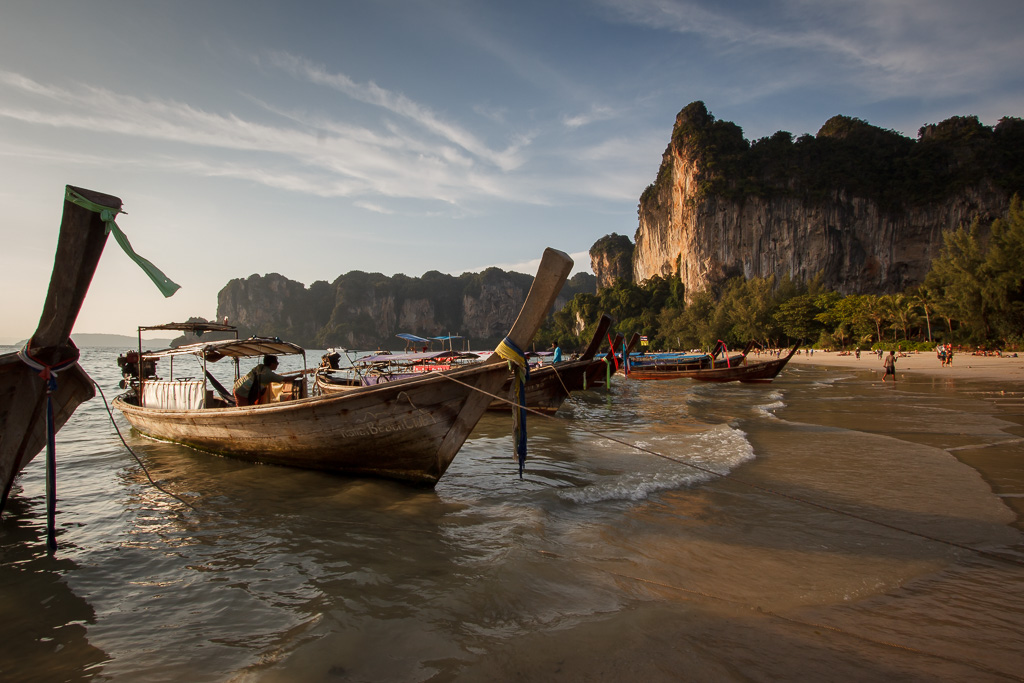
[252, 388]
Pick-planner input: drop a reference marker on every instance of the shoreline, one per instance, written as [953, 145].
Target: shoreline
[1001, 370]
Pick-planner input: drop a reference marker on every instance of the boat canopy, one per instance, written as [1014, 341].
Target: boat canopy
[417, 356]
[426, 340]
[232, 348]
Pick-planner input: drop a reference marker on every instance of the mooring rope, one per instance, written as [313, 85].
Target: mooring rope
[562, 382]
[765, 489]
[110, 414]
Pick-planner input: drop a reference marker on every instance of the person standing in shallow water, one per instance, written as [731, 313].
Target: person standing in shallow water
[557, 358]
[890, 366]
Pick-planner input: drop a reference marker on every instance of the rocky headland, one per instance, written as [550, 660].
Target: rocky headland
[362, 310]
[861, 207]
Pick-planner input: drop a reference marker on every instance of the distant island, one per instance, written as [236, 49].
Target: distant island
[117, 341]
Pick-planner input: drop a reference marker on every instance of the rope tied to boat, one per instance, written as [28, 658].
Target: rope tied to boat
[48, 373]
[107, 214]
[521, 371]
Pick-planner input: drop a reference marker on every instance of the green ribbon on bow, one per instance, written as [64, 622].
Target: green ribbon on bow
[166, 286]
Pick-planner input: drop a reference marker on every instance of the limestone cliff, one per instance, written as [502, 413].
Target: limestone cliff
[863, 207]
[611, 259]
[366, 310]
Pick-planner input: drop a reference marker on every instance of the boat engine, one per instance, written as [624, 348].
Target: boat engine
[129, 364]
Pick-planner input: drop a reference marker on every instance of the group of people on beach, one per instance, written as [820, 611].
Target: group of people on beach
[945, 354]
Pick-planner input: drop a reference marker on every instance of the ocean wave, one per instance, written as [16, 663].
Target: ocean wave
[768, 409]
[697, 458]
[774, 403]
[829, 381]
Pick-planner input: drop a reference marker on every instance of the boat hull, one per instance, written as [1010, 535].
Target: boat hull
[757, 372]
[679, 370]
[408, 430]
[547, 388]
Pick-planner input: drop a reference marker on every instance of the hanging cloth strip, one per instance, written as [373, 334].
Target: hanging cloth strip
[726, 350]
[49, 375]
[521, 369]
[107, 215]
[612, 345]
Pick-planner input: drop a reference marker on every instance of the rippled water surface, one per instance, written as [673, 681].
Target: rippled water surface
[823, 527]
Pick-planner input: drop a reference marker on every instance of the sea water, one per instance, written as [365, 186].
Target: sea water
[824, 526]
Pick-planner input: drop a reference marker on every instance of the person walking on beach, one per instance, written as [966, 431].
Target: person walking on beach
[890, 367]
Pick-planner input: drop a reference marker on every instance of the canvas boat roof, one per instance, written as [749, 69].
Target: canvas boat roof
[416, 356]
[423, 340]
[232, 348]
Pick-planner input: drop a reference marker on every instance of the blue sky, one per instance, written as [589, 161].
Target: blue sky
[315, 138]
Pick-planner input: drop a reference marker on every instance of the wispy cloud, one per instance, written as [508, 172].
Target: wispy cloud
[410, 153]
[374, 208]
[396, 103]
[596, 113]
[315, 155]
[881, 47]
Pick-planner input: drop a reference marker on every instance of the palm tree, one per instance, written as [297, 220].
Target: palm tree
[922, 297]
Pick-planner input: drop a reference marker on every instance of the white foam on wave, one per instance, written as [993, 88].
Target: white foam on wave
[829, 381]
[715, 451]
[775, 403]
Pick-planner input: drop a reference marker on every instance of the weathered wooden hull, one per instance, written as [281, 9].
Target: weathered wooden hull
[23, 428]
[549, 385]
[760, 371]
[757, 372]
[23, 412]
[407, 429]
[679, 370]
[547, 388]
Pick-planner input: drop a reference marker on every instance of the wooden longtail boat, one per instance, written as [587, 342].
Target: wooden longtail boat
[549, 385]
[23, 393]
[757, 372]
[409, 429]
[387, 367]
[677, 366]
[546, 390]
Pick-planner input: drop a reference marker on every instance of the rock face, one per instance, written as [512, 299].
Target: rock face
[721, 207]
[611, 259]
[367, 310]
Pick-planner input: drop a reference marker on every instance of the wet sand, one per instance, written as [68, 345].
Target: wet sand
[1005, 370]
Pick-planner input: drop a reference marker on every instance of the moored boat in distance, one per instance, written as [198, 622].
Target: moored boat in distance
[756, 372]
[680, 365]
[746, 371]
[407, 429]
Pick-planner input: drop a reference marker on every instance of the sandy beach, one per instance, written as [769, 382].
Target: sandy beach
[1007, 370]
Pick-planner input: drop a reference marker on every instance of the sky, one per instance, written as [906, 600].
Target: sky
[312, 139]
